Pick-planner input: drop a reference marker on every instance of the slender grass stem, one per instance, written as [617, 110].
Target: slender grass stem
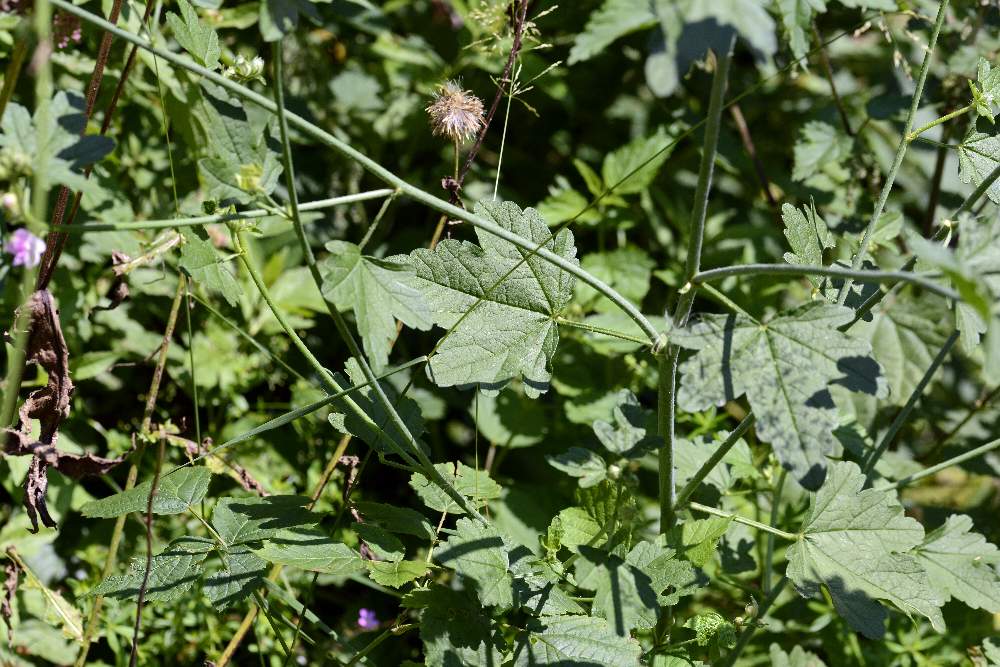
[714, 460]
[911, 403]
[859, 275]
[779, 487]
[890, 180]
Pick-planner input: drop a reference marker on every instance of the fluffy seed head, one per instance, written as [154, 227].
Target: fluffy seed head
[455, 113]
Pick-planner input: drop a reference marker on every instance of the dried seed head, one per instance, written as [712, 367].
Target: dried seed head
[455, 113]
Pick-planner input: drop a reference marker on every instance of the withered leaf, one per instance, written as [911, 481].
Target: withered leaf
[49, 405]
[9, 589]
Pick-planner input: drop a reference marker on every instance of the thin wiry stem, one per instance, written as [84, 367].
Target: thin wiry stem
[747, 633]
[859, 275]
[714, 511]
[890, 180]
[142, 225]
[911, 403]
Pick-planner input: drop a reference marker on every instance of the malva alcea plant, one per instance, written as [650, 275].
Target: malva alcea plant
[500, 333]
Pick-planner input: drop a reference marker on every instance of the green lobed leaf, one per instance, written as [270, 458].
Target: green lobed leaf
[785, 368]
[808, 235]
[978, 155]
[172, 573]
[65, 152]
[962, 564]
[627, 269]
[856, 543]
[245, 520]
[378, 293]
[614, 19]
[194, 35]
[310, 548]
[478, 553]
[581, 463]
[512, 332]
[200, 260]
[381, 424]
[476, 485]
[574, 640]
[453, 628]
[242, 573]
[798, 657]
[632, 168]
[510, 419]
[737, 463]
[395, 519]
[820, 149]
[395, 573]
[175, 493]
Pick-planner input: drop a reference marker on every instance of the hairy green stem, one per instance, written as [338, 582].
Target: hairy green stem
[890, 180]
[600, 330]
[667, 399]
[859, 275]
[377, 170]
[717, 456]
[911, 403]
[141, 225]
[666, 414]
[943, 119]
[953, 461]
[779, 487]
[742, 519]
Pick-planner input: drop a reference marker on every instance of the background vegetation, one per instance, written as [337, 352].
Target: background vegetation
[205, 338]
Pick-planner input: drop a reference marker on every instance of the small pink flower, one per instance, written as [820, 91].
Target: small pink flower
[367, 620]
[26, 248]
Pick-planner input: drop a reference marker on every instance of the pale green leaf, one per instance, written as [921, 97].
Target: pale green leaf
[978, 155]
[737, 463]
[798, 657]
[627, 269]
[65, 152]
[632, 168]
[962, 564]
[671, 576]
[808, 236]
[615, 19]
[581, 463]
[697, 539]
[379, 423]
[241, 159]
[194, 35]
[200, 260]
[395, 573]
[574, 640]
[382, 544]
[378, 293]
[855, 543]
[175, 493]
[477, 552]
[395, 519]
[500, 302]
[476, 485]
[632, 434]
[785, 368]
[820, 149]
[309, 548]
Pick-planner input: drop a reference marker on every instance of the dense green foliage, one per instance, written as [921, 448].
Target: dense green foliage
[490, 332]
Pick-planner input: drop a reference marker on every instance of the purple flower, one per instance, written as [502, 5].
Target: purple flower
[26, 248]
[367, 620]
